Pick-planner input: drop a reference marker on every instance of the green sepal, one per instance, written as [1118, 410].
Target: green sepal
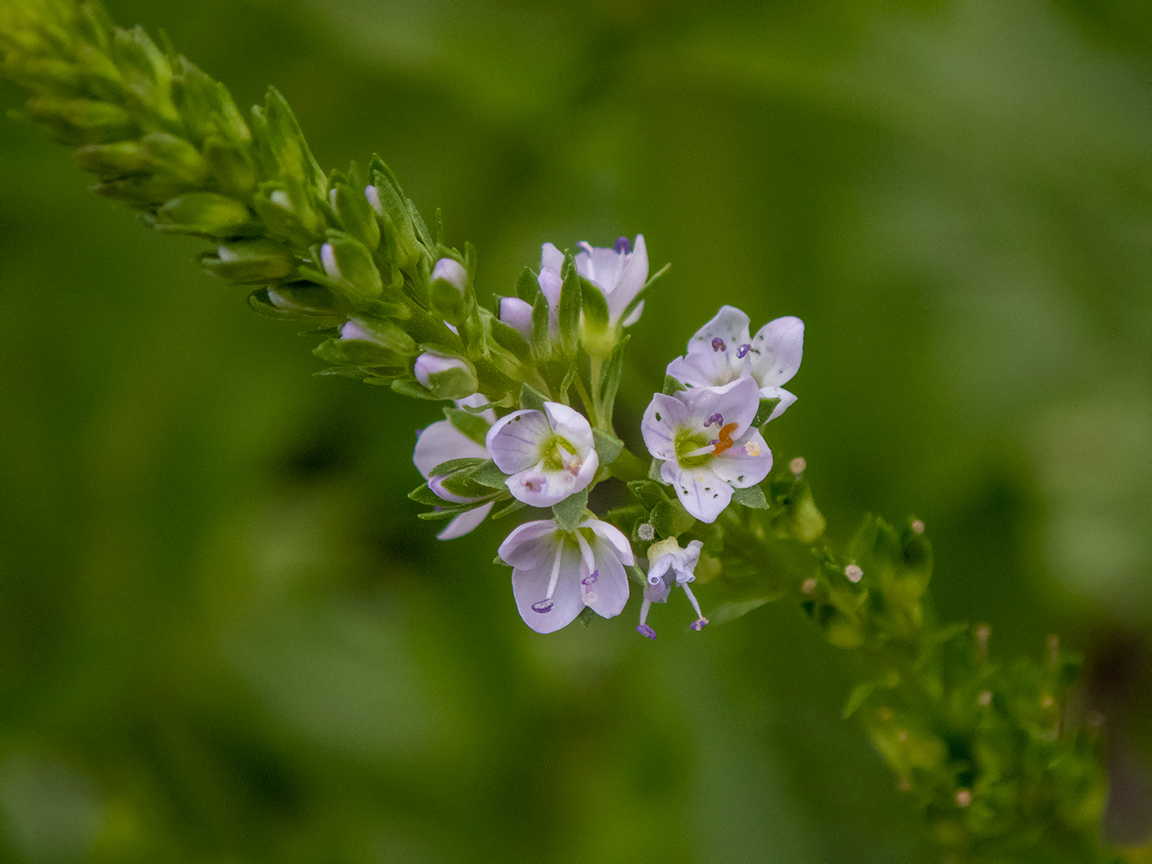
[487, 474]
[233, 166]
[413, 389]
[672, 386]
[610, 374]
[509, 338]
[281, 145]
[250, 262]
[472, 426]
[508, 509]
[570, 310]
[82, 121]
[445, 512]
[205, 104]
[647, 492]
[670, 519]
[541, 334]
[423, 495]
[299, 300]
[356, 352]
[355, 213]
[287, 211]
[570, 512]
[357, 275]
[636, 575]
[168, 155]
[528, 287]
[635, 301]
[586, 616]
[460, 483]
[205, 214]
[858, 697]
[767, 406]
[466, 463]
[531, 398]
[752, 497]
[608, 447]
[595, 307]
[654, 471]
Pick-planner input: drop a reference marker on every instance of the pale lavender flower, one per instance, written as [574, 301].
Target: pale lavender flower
[619, 273]
[670, 566]
[551, 280]
[442, 442]
[722, 352]
[517, 313]
[557, 573]
[549, 454]
[707, 443]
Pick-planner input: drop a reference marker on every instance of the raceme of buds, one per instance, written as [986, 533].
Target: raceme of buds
[550, 454]
[445, 377]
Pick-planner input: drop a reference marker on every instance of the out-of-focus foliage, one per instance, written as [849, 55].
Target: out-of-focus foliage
[222, 629]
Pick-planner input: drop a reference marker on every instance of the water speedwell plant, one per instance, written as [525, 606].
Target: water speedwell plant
[990, 753]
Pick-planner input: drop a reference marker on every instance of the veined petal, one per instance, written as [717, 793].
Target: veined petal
[777, 351]
[737, 403]
[551, 258]
[531, 543]
[745, 463]
[709, 368]
[786, 399]
[530, 586]
[441, 442]
[515, 439]
[700, 490]
[613, 536]
[541, 487]
[465, 522]
[730, 325]
[663, 416]
[608, 594]
[570, 424]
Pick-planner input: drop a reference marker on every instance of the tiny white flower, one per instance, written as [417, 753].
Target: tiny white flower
[619, 273]
[708, 444]
[556, 573]
[722, 352]
[441, 442]
[549, 454]
[670, 566]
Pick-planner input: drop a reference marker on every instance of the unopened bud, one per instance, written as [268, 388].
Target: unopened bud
[447, 377]
[517, 313]
[448, 291]
[347, 261]
[249, 262]
[206, 214]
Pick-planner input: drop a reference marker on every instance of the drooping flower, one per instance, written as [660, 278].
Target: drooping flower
[556, 573]
[722, 352]
[549, 454]
[709, 446]
[442, 442]
[669, 566]
[619, 273]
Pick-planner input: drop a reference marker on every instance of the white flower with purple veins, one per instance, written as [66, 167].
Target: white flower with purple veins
[442, 442]
[549, 454]
[722, 352]
[555, 574]
[619, 273]
[709, 446]
[670, 566]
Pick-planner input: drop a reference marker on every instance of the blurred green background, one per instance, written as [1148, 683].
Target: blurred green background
[225, 636]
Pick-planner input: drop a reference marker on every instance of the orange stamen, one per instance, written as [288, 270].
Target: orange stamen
[725, 439]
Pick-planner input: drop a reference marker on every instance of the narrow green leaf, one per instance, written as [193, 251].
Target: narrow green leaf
[474, 427]
[541, 335]
[654, 471]
[752, 497]
[508, 509]
[608, 447]
[527, 287]
[445, 468]
[570, 512]
[595, 307]
[767, 406]
[672, 386]
[487, 474]
[532, 398]
[610, 375]
[570, 310]
[410, 388]
[423, 495]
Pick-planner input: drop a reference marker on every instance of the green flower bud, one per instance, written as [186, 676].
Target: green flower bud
[167, 154]
[346, 261]
[250, 261]
[449, 290]
[296, 300]
[446, 377]
[206, 214]
[355, 214]
[288, 212]
[82, 121]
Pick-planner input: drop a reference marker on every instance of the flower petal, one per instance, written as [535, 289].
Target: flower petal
[737, 403]
[663, 416]
[465, 522]
[514, 440]
[539, 487]
[609, 593]
[440, 443]
[530, 544]
[786, 399]
[729, 324]
[777, 351]
[745, 463]
[530, 586]
[613, 536]
[702, 493]
[570, 424]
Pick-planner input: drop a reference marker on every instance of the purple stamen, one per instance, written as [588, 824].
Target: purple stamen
[645, 630]
[699, 624]
[590, 579]
[542, 607]
[716, 418]
[718, 344]
[623, 245]
[742, 350]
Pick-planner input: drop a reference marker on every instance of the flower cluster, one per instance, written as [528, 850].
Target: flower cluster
[704, 438]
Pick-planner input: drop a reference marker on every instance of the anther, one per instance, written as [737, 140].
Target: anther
[645, 630]
[718, 344]
[623, 245]
[542, 607]
[699, 624]
[717, 419]
[589, 580]
[853, 573]
[743, 350]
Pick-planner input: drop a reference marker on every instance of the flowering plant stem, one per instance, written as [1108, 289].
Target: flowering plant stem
[990, 754]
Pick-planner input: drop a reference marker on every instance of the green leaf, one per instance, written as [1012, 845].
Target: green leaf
[527, 287]
[608, 447]
[541, 335]
[736, 609]
[570, 310]
[423, 495]
[671, 386]
[446, 468]
[647, 492]
[570, 512]
[532, 398]
[635, 574]
[595, 307]
[858, 697]
[654, 471]
[767, 406]
[445, 512]
[670, 519]
[610, 374]
[508, 509]
[752, 497]
[472, 426]
[487, 474]
[410, 388]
